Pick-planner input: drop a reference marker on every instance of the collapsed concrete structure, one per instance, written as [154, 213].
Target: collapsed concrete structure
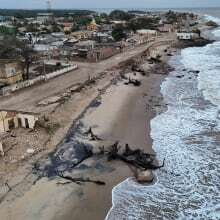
[3, 136]
[14, 119]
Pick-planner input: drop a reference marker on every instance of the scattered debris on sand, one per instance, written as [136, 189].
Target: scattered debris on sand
[93, 137]
[136, 158]
[146, 176]
[143, 162]
[78, 180]
[134, 82]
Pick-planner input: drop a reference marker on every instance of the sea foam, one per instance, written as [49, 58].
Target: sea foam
[187, 136]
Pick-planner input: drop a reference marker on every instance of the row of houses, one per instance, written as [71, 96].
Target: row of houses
[93, 46]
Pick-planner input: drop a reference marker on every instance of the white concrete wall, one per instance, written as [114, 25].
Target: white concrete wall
[1, 149]
[4, 122]
[2, 127]
[9, 89]
[187, 36]
[31, 120]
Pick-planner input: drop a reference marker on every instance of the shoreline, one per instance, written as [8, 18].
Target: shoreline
[138, 139]
[101, 169]
[120, 104]
[116, 111]
[209, 39]
[117, 171]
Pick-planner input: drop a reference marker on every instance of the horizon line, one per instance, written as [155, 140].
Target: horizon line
[120, 8]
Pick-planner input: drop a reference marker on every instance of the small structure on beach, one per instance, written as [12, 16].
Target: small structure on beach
[187, 36]
[15, 119]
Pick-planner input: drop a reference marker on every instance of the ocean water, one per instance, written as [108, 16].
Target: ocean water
[213, 11]
[187, 135]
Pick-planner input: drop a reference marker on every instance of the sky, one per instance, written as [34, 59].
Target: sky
[71, 4]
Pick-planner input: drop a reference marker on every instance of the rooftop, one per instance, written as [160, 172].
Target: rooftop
[44, 14]
[5, 61]
[146, 31]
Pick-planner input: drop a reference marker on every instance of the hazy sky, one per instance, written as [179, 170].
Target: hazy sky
[109, 3]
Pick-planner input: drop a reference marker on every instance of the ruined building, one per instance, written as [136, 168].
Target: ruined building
[14, 119]
[11, 71]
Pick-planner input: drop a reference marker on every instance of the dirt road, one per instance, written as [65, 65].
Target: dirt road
[26, 99]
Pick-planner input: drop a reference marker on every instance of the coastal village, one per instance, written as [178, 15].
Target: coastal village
[57, 65]
[47, 46]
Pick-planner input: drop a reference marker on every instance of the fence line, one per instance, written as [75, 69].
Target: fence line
[15, 87]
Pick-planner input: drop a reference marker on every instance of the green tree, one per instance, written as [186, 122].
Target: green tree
[32, 28]
[104, 16]
[84, 21]
[118, 34]
[55, 28]
[143, 23]
[171, 16]
[67, 32]
[98, 20]
[12, 48]
[197, 31]
[120, 15]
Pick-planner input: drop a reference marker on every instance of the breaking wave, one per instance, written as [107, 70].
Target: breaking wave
[212, 18]
[188, 136]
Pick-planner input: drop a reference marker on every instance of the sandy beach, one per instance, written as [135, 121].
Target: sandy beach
[128, 122]
[123, 114]
[109, 116]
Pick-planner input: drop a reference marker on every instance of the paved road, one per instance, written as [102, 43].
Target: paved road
[27, 98]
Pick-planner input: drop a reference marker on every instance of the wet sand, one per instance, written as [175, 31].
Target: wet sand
[124, 110]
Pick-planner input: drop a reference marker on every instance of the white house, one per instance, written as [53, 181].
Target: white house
[44, 47]
[187, 36]
[152, 33]
[44, 17]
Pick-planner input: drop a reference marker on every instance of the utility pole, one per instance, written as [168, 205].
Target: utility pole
[49, 10]
[48, 2]
[44, 68]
